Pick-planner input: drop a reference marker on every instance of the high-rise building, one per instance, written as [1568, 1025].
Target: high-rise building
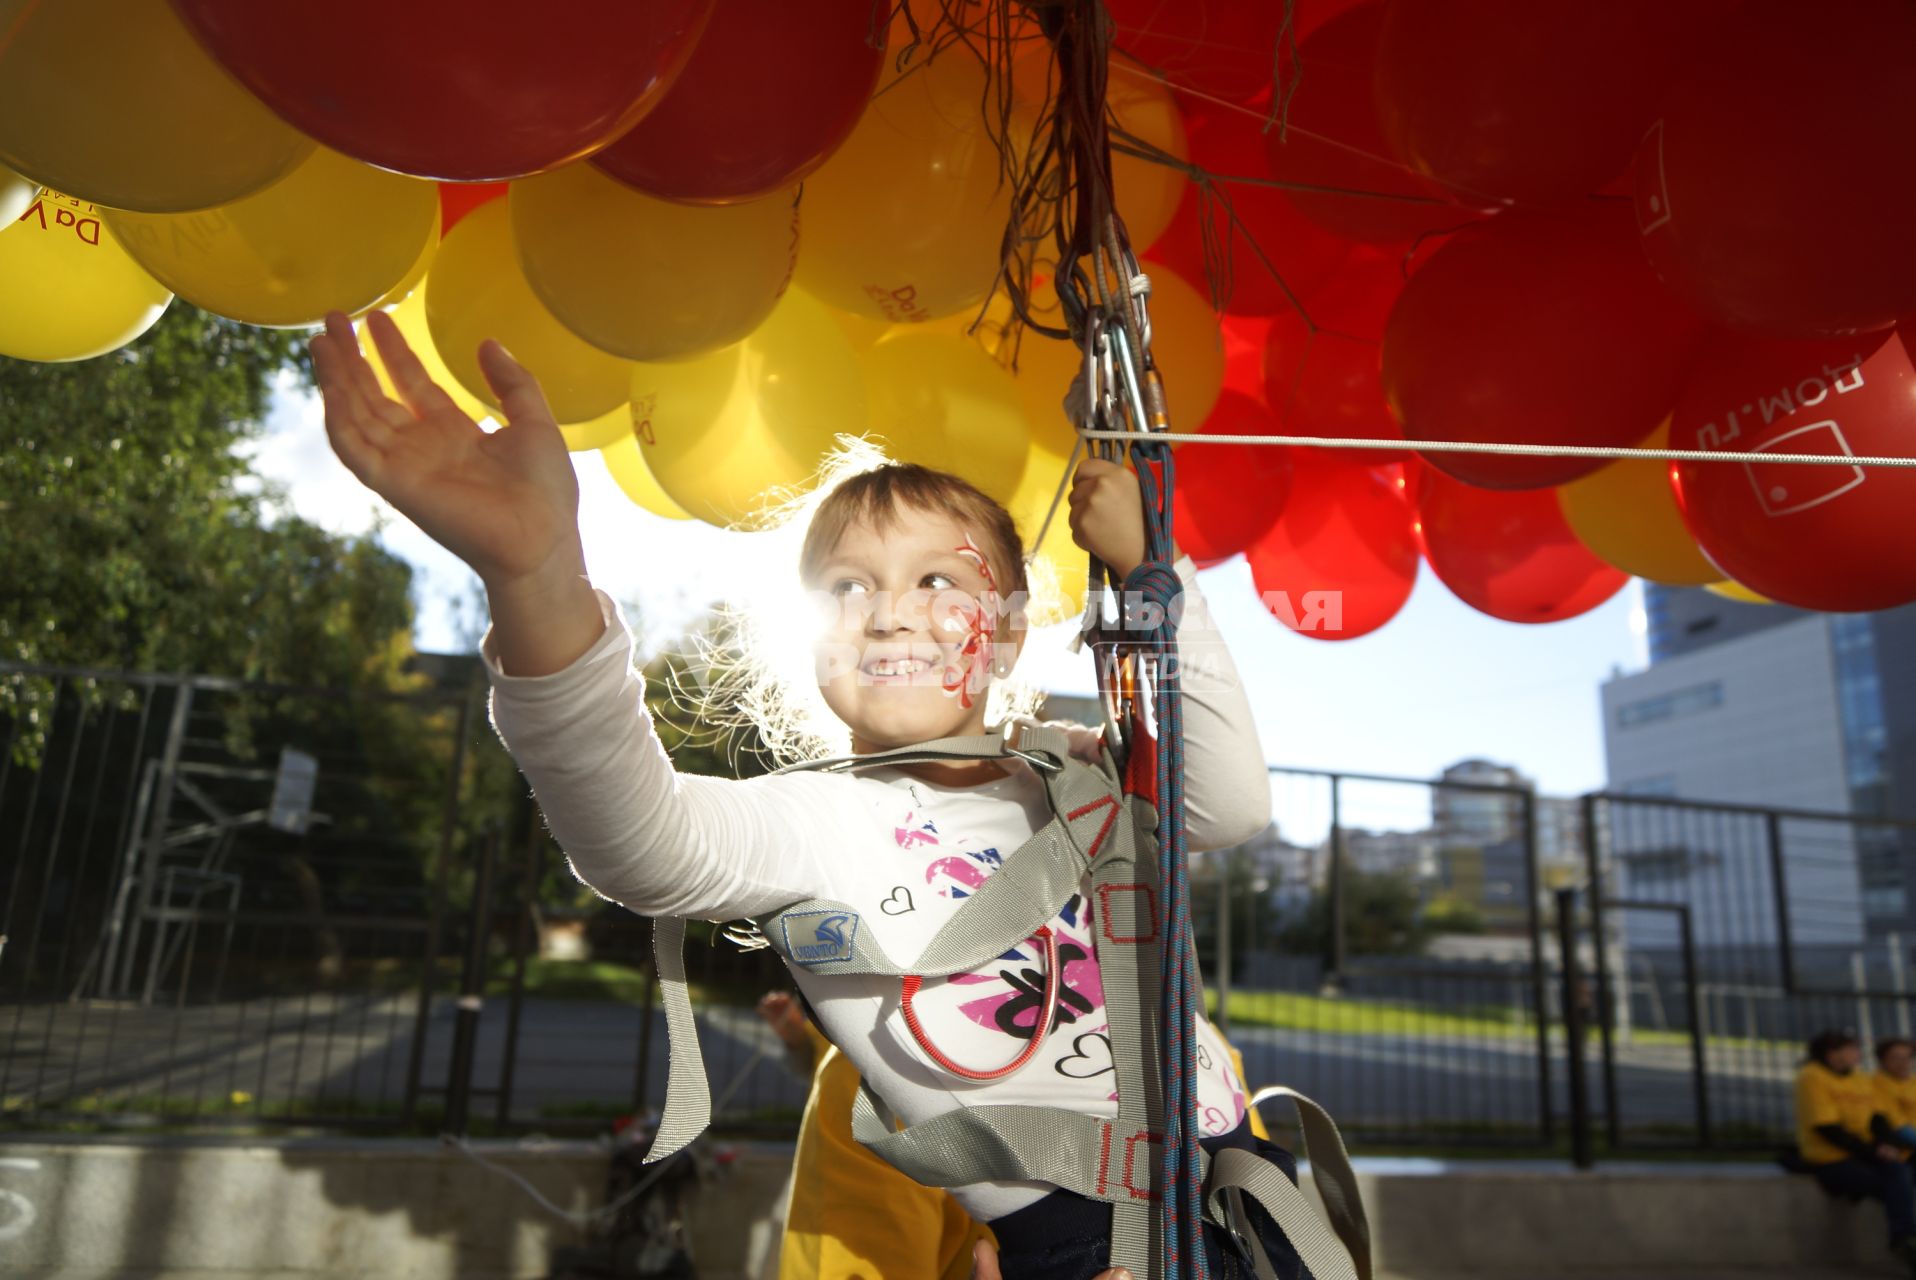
[1772, 706]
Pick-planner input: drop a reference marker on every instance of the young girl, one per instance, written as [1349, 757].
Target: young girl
[918, 567]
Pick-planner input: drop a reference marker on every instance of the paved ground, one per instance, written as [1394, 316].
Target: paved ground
[342, 1053]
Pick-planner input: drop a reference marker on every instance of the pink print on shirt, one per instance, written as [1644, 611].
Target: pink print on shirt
[910, 834]
[1018, 982]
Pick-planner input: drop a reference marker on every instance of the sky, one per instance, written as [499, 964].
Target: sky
[1439, 683]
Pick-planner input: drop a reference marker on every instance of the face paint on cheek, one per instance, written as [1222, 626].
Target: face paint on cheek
[969, 672]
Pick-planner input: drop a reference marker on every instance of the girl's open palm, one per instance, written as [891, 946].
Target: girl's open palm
[507, 503]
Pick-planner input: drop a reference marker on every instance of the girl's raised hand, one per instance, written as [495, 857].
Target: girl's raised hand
[507, 503]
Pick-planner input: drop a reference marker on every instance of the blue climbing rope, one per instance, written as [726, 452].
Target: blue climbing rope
[1154, 595]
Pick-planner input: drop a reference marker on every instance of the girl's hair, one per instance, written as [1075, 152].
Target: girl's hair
[877, 496]
[755, 676]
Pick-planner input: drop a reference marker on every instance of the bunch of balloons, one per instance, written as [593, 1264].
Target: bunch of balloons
[724, 235]
[1635, 225]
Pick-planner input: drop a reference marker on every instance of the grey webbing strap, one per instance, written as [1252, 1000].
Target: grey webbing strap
[1289, 1207]
[1130, 949]
[688, 1095]
[1011, 904]
[1103, 1159]
[1331, 1172]
[1032, 741]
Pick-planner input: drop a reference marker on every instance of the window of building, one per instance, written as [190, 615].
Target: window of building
[1666, 706]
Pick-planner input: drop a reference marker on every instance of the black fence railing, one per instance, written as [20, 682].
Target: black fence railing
[224, 903]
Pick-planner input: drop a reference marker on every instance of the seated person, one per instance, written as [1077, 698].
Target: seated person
[1837, 1124]
[1895, 1089]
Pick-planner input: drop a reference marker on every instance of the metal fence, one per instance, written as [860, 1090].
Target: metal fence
[224, 903]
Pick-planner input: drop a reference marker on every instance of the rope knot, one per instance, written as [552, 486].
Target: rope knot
[1153, 603]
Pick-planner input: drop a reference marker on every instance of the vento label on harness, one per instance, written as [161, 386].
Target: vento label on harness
[820, 937]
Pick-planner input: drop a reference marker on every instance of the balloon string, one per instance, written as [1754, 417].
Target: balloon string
[1057, 497]
[1519, 450]
[1150, 73]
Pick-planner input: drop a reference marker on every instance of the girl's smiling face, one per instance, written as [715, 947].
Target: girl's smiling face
[913, 628]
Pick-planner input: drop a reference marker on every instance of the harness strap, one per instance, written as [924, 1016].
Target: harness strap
[1320, 1143]
[1104, 1159]
[1107, 1160]
[1319, 1247]
[688, 1095]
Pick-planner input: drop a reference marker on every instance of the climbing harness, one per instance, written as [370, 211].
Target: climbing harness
[1101, 830]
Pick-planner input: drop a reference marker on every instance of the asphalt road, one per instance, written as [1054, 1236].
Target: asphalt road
[341, 1055]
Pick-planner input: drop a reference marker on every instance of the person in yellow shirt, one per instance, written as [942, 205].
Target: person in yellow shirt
[1845, 1141]
[851, 1216]
[1895, 1088]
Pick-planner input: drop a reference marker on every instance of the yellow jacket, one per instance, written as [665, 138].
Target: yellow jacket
[1895, 1099]
[854, 1217]
[1823, 1097]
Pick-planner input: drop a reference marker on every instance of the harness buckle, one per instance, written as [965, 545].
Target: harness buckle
[1034, 760]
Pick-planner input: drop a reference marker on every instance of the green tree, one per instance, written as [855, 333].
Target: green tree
[1380, 918]
[131, 541]
[1452, 913]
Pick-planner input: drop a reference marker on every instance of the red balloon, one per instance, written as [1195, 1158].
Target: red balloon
[1536, 103]
[1328, 380]
[1778, 191]
[769, 93]
[1536, 328]
[465, 90]
[1830, 537]
[1333, 139]
[1227, 495]
[1347, 533]
[1269, 246]
[457, 199]
[1510, 555]
[1244, 341]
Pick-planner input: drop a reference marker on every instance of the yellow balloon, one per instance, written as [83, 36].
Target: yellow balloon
[1059, 567]
[582, 437]
[1147, 189]
[68, 291]
[115, 102]
[410, 315]
[1730, 589]
[16, 193]
[1627, 514]
[722, 432]
[938, 400]
[906, 221]
[415, 275]
[1042, 367]
[626, 462]
[476, 291]
[332, 235]
[861, 331]
[647, 279]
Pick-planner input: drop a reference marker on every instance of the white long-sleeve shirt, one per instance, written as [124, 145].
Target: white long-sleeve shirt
[901, 851]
